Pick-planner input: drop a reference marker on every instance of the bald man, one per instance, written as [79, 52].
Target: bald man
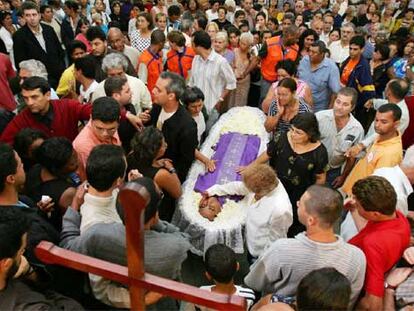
[117, 42]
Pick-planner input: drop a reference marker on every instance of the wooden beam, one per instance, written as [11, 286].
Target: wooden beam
[51, 254]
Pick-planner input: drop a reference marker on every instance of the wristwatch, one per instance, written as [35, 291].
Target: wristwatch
[388, 286]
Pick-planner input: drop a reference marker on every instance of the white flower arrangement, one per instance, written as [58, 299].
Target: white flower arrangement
[231, 212]
[244, 123]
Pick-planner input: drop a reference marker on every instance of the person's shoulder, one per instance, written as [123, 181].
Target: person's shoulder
[134, 82]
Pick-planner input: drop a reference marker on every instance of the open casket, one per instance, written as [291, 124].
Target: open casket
[235, 140]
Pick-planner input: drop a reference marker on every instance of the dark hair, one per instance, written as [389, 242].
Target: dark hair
[28, 5]
[238, 13]
[222, 7]
[396, 111]
[191, 95]
[75, 44]
[323, 289]
[288, 83]
[220, 262]
[72, 5]
[155, 199]
[34, 83]
[176, 37]
[139, 4]
[384, 50]
[106, 163]
[399, 88]
[114, 85]
[308, 123]
[288, 65]
[54, 153]
[201, 38]
[357, 40]
[175, 85]
[157, 37]
[13, 225]
[24, 139]
[114, 4]
[174, 10]
[232, 29]
[82, 21]
[262, 14]
[320, 45]
[149, 19]
[306, 33]
[95, 32]
[88, 65]
[106, 109]
[274, 20]
[375, 194]
[42, 10]
[8, 164]
[325, 203]
[244, 23]
[202, 22]
[146, 144]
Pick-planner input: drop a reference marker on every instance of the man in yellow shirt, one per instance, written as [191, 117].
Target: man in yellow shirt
[386, 151]
[67, 82]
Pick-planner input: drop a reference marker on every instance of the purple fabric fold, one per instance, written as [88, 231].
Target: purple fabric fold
[232, 150]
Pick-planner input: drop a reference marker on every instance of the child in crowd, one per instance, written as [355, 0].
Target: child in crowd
[221, 267]
[193, 100]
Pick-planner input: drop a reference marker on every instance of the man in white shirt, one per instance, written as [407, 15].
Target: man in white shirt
[213, 12]
[117, 42]
[115, 64]
[212, 74]
[328, 22]
[339, 131]
[340, 49]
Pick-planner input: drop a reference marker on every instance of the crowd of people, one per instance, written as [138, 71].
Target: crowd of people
[97, 93]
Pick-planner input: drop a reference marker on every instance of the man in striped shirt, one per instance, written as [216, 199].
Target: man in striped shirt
[212, 74]
[283, 265]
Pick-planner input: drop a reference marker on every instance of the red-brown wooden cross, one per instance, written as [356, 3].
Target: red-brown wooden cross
[134, 198]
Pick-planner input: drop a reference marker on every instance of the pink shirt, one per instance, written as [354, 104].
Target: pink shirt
[85, 142]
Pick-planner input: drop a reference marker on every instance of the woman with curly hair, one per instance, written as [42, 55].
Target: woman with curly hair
[148, 148]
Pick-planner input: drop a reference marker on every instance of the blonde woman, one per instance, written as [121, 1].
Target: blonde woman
[242, 61]
[212, 29]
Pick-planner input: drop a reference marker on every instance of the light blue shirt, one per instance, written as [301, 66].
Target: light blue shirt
[323, 81]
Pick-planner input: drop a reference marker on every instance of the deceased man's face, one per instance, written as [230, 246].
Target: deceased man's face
[209, 208]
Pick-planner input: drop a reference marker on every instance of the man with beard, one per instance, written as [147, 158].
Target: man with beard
[14, 269]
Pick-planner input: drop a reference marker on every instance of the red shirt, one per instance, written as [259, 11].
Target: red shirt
[6, 73]
[66, 115]
[383, 244]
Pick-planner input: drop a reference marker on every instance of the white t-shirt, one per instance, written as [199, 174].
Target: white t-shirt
[201, 126]
[164, 116]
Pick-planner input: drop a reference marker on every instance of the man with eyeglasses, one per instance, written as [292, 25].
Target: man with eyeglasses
[101, 129]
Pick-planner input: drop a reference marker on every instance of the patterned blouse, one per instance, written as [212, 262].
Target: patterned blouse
[138, 42]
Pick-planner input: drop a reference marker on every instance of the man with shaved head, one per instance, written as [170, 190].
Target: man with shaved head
[117, 42]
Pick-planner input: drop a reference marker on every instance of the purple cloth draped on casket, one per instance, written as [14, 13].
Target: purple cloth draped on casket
[232, 150]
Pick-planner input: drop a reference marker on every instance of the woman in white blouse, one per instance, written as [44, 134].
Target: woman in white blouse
[269, 212]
